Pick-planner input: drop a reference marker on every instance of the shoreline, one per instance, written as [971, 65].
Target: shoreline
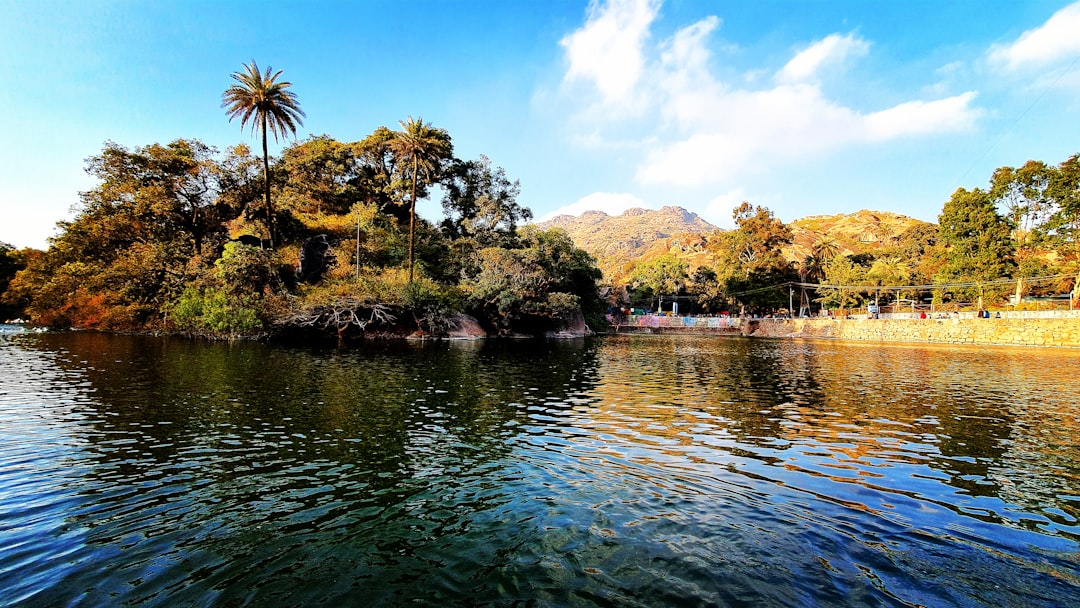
[1045, 329]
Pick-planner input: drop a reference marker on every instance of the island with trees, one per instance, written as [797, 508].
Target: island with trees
[182, 237]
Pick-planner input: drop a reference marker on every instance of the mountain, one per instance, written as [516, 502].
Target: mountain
[860, 232]
[617, 242]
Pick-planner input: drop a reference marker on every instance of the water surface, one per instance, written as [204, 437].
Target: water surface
[622, 471]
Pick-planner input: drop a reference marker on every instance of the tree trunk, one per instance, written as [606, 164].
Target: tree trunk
[266, 186]
[412, 220]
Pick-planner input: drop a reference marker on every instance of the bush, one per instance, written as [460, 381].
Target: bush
[432, 307]
[244, 269]
[215, 312]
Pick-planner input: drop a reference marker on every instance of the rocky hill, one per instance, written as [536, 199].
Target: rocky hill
[619, 241]
[630, 234]
[860, 232]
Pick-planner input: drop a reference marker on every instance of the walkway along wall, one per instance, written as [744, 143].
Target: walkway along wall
[1049, 329]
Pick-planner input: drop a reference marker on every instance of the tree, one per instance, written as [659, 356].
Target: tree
[11, 262]
[843, 278]
[1023, 196]
[533, 286]
[977, 240]
[825, 249]
[707, 288]
[1062, 227]
[481, 210]
[664, 275]
[759, 235]
[154, 223]
[377, 166]
[266, 102]
[750, 260]
[888, 272]
[481, 203]
[419, 149]
[322, 176]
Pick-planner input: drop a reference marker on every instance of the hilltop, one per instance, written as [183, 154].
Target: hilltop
[618, 240]
[643, 234]
[628, 235]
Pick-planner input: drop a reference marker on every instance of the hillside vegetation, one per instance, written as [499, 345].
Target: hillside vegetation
[620, 242]
[1017, 238]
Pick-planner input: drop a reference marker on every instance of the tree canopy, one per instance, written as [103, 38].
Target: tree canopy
[168, 239]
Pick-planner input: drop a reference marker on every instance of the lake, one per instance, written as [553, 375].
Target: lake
[613, 471]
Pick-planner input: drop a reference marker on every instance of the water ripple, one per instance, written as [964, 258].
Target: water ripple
[623, 472]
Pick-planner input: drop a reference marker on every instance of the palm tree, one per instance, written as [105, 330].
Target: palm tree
[261, 96]
[826, 249]
[419, 149]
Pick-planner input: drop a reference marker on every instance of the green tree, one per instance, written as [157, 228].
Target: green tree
[1062, 226]
[481, 210]
[267, 102]
[843, 279]
[706, 287]
[322, 176]
[1023, 196]
[750, 260]
[665, 275]
[977, 241]
[531, 287]
[481, 203]
[420, 151]
[11, 262]
[139, 236]
[888, 272]
[825, 249]
[376, 170]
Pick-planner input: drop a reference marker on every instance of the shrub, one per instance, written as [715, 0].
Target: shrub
[215, 312]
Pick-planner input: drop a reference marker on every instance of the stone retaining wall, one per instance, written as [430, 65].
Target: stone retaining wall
[1053, 331]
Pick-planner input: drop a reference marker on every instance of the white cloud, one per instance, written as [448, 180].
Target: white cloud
[708, 127]
[611, 203]
[718, 210]
[833, 50]
[922, 117]
[1054, 40]
[608, 50]
[785, 124]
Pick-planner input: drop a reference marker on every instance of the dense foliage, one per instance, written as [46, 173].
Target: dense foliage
[1018, 238]
[177, 238]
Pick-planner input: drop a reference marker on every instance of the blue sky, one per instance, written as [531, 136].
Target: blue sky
[806, 107]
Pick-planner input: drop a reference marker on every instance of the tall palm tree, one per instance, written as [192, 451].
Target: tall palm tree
[260, 96]
[419, 149]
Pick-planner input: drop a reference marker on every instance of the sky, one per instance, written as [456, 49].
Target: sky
[805, 107]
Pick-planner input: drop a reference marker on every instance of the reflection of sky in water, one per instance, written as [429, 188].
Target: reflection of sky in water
[654, 470]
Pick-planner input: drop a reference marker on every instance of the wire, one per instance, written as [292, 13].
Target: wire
[932, 286]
